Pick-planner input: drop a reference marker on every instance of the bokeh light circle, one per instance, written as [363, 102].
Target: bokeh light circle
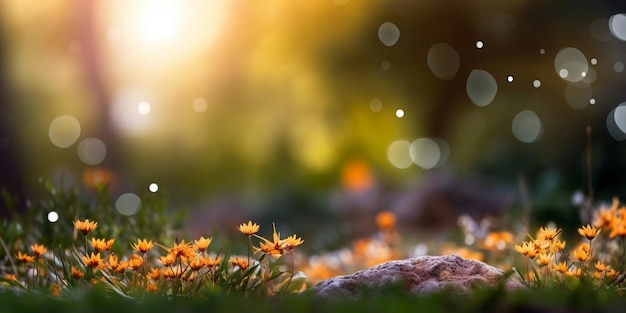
[64, 131]
[617, 26]
[443, 60]
[527, 126]
[481, 87]
[53, 216]
[388, 33]
[425, 153]
[571, 64]
[128, 204]
[398, 154]
[92, 151]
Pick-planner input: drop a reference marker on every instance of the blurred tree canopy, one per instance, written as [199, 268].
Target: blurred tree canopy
[219, 96]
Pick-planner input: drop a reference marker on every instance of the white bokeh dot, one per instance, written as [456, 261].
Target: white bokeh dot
[399, 113]
[154, 187]
[53, 216]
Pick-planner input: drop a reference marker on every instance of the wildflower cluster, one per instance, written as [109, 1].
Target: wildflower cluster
[184, 268]
[594, 258]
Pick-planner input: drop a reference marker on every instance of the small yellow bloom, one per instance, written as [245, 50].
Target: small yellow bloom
[210, 262]
[561, 267]
[556, 246]
[113, 261]
[38, 250]
[589, 232]
[196, 264]
[582, 253]
[203, 243]
[22, 257]
[291, 242]
[55, 290]
[611, 273]
[600, 267]
[76, 273]
[248, 229]
[183, 250]
[135, 262]
[152, 288]
[101, 244]
[241, 262]
[10, 277]
[548, 234]
[544, 259]
[154, 274]
[574, 272]
[142, 246]
[121, 267]
[86, 226]
[93, 261]
[168, 259]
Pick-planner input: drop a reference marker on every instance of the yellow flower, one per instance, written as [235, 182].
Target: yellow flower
[113, 262]
[86, 226]
[248, 229]
[210, 262]
[273, 247]
[611, 273]
[121, 267]
[242, 263]
[528, 249]
[196, 264]
[291, 242]
[152, 288]
[38, 249]
[548, 233]
[582, 253]
[55, 290]
[22, 257]
[154, 274]
[561, 267]
[544, 259]
[101, 244]
[556, 246]
[600, 267]
[135, 262]
[76, 273]
[183, 250]
[168, 259]
[93, 261]
[203, 243]
[11, 277]
[385, 220]
[588, 232]
[142, 246]
[574, 272]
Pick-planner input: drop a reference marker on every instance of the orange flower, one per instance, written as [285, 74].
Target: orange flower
[121, 267]
[86, 226]
[183, 250]
[203, 243]
[154, 274]
[101, 244]
[248, 229]
[25, 257]
[274, 247]
[152, 288]
[113, 261]
[135, 262]
[546, 233]
[168, 259]
[544, 259]
[76, 273]
[611, 273]
[196, 264]
[600, 267]
[561, 267]
[210, 262]
[38, 250]
[574, 272]
[242, 263]
[291, 242]
[142, 246]
[588, 232]
[582, 253]
[93, 261]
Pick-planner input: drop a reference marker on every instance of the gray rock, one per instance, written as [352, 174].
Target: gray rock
[420, 276]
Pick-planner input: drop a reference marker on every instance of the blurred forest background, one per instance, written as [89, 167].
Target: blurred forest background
[319, 113]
